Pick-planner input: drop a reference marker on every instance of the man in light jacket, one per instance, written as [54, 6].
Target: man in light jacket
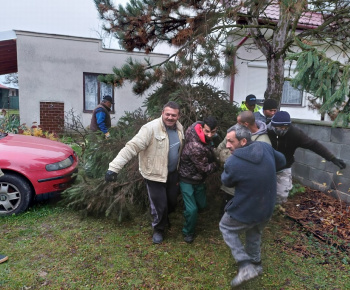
[158, 145]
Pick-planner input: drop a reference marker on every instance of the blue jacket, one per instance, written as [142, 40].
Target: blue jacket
[252, 171]
[100, 120]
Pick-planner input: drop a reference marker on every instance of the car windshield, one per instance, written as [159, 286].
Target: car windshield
[2, 135]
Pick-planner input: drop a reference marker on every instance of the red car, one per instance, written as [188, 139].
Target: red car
[32, 167]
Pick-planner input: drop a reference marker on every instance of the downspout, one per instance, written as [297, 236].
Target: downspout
[232, 83]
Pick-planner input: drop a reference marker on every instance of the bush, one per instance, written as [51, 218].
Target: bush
[10, 124]
[35, 130]
[91, 195]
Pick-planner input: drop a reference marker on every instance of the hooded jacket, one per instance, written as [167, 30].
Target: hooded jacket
[223, 153]
[252, 171]
[261, 134]
[197, 158]
[259, 116]
[293, 139]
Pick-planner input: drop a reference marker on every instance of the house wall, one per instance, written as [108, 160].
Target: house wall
[312, 170]
[51, 67]
[251, 78]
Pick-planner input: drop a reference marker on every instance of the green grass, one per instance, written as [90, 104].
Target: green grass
[51, 247]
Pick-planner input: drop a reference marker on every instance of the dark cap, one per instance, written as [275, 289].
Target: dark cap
[250, 100]
[281, 118]
[270, 104]
[108, 98]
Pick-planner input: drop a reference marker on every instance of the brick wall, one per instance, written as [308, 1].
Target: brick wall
[311, 170]
[52, 116]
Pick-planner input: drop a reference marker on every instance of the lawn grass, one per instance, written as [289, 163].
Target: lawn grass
[51, 247]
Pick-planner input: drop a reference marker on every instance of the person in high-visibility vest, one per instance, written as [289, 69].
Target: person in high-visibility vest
[250, 104]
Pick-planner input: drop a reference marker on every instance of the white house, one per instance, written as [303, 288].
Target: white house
[58, 73]
[251, 77]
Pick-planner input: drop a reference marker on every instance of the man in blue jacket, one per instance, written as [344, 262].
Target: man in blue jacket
[101, 120]
[251, 169]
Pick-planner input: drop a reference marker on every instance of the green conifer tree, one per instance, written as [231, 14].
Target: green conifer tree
[206, 32]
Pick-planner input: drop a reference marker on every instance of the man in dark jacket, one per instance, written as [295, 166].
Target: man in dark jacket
[266, 113]
[101, 120]
[251, 169]
[258, 132]
[197, 161]
[286, 138]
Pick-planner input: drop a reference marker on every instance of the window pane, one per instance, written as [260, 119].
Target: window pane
[106, 89]
[291, 95]
[91, 87]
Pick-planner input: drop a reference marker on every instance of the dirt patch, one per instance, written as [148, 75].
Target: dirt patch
[324, 216]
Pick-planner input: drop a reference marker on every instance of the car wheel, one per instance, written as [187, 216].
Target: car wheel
[15, 194]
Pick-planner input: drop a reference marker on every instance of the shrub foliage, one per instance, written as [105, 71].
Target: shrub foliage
[91, 195]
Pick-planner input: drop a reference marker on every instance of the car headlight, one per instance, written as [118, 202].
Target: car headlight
[60, 165]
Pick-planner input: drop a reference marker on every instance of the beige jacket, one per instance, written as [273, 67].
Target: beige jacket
[151, 143]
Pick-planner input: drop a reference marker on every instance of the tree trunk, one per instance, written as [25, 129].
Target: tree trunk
[275, 78]
[274, 51]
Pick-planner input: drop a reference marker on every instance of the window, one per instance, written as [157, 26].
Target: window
[94, 91]
[290, 95]
[257, 81]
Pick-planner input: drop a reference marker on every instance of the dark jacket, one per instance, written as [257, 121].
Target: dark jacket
[293, 139]
[252, 171]
[107, 121]
[197, 157]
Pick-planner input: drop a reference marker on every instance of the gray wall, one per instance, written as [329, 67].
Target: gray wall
[51, 68]
[312, 170]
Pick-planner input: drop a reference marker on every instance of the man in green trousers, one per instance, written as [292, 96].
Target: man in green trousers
[196, 162]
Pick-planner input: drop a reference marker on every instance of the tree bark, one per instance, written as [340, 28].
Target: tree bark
[275, 78]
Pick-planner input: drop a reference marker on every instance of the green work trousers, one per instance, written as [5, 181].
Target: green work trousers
[195, 198]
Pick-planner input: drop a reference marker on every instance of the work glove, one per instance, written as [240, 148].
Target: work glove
[111, 176]
[340, 163]
[107, 135]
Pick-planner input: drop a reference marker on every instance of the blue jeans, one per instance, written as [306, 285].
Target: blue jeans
[230, 229]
